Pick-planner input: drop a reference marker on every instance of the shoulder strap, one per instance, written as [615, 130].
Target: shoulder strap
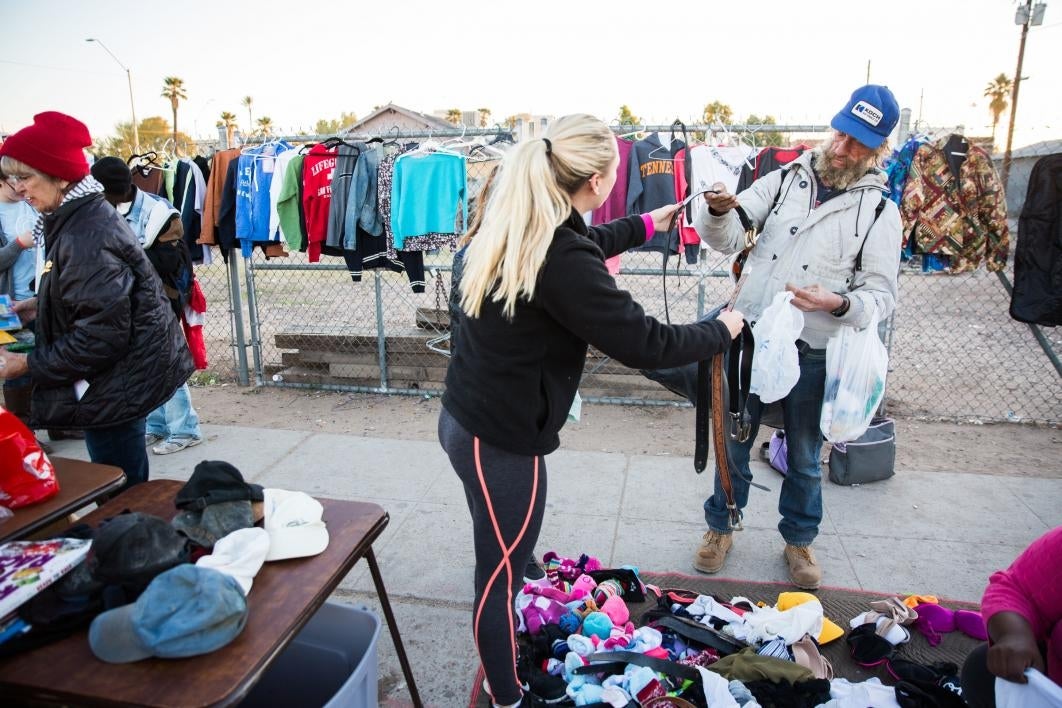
[877, 212]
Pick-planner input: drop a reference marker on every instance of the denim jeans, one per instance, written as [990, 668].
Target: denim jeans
[800, 502]
[121, 446]
[175, 418]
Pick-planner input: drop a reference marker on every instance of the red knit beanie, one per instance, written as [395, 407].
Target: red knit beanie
[53, 145]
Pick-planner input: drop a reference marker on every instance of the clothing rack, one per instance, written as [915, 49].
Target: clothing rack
[458, 132]
[389, 135]
[705, 127]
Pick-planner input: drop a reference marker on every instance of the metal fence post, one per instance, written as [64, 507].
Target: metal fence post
[381, 330]
[236, 314]
[1037, 333]
[252, 313]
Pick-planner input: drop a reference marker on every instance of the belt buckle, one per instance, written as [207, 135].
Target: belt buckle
[740, 429]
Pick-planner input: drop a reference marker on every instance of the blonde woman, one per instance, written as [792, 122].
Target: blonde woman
[534, 294]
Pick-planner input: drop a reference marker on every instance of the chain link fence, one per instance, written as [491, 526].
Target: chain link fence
[955, 353]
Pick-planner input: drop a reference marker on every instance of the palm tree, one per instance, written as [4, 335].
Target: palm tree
[228, 122]
[453, 116]
[998, 90]
[173, 89]
[484, 117]
[247, 102]
[265, 125]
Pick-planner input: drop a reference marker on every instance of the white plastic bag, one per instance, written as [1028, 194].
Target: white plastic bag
[856, 365]
[775, 366]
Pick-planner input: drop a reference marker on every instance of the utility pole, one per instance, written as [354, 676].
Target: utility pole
[1025, 16]
[868, 71]
[129, 78]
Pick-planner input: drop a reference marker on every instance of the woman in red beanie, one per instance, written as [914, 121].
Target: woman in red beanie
[109, 349]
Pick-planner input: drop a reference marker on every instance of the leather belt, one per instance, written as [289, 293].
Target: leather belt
[714, 404]
[720, 398]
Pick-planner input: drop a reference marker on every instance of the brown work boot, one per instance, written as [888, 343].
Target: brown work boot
[804, 570]
[711, 555]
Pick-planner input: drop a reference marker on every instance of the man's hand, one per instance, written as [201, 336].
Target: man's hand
[814, 298]
[721, 201]
[12, 365]
[1013, 647]
[26, 309]
[733, 320]
[662, 217]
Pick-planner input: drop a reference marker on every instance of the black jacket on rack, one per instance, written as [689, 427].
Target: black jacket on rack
[1037, 296]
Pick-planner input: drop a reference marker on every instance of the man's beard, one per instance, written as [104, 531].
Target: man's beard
[839, 177]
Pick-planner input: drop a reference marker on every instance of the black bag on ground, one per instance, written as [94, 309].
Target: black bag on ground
[869, 458]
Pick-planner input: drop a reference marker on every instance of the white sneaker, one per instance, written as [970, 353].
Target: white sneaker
[175, 445]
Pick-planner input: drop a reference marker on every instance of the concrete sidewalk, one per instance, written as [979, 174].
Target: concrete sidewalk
[939, 533]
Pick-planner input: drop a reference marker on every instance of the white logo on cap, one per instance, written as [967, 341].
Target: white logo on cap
[867, 112]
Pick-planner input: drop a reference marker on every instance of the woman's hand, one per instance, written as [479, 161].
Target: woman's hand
[662, 217]
[733, 319]
[12, 365]
[722, 200]
[1013, 647]
[26, 309]
[26, 240]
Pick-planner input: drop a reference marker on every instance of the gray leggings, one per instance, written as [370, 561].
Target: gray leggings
[506, 496]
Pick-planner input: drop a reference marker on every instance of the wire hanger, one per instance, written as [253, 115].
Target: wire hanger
[670, 158]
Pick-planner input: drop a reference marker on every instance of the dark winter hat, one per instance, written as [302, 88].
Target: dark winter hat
[54, 145]
[869, 116]
[114, 175]
[213, 482]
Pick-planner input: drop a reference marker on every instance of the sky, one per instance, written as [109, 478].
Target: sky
[796, 61]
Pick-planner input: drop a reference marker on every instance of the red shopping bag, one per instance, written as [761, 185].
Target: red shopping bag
[27, 476]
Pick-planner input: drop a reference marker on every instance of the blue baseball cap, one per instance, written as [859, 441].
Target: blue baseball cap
[186, 611]
[869, 116]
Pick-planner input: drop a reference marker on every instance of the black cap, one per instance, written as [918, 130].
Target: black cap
[113, 174]
[131, 549]
[214, 481]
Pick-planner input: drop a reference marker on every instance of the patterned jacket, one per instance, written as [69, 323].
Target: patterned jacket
[965, 219]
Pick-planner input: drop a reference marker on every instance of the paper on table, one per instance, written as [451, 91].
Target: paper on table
[80, 387]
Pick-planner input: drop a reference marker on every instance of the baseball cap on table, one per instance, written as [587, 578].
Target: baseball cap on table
[294, 523]
[214, 481]
[133, 548]
[869, 116]
[186, 611]
[53, 145]
[206, 526]
[240, 554]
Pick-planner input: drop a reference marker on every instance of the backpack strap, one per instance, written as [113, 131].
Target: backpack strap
[877, 212]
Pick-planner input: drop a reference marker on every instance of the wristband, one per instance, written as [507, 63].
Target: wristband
[843, 308]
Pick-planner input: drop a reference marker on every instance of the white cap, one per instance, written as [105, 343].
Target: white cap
[293, 520]
[240, 554]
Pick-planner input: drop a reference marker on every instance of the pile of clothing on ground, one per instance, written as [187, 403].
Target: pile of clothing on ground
[580, 645]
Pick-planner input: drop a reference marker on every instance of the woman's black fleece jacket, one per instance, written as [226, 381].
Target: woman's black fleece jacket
[512, 382]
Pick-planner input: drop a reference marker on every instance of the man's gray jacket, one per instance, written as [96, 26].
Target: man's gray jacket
[804, 245]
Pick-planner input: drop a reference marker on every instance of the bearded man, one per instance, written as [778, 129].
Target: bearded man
[829, 235]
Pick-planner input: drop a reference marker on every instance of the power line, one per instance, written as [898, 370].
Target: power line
[57, 68]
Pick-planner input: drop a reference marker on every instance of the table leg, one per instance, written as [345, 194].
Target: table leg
[393, 626]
